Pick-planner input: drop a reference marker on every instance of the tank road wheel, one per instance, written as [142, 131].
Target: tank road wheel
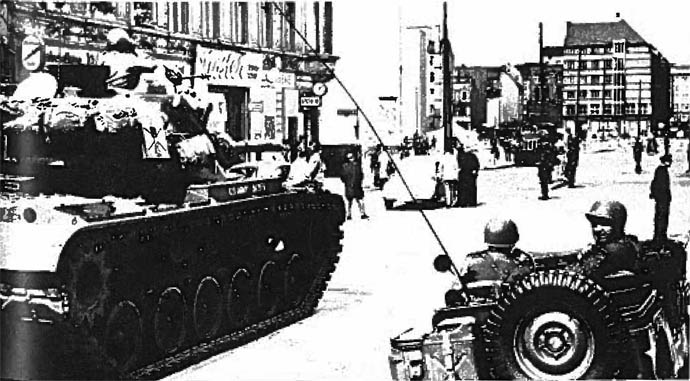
[169, 320]
[295, 273]
[208, 308]
[553, 325]
[238, 299]
[270, 288]
[123, 335]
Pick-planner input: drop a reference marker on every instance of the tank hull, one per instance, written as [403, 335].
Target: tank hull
[145, 296]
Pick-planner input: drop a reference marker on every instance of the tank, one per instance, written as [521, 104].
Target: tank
[125, 251]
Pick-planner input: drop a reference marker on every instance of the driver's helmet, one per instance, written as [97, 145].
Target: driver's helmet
[501, 233]
[611, 213]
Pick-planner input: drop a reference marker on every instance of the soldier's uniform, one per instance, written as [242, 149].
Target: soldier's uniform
[500, 262]
[612, 252]
[494, 265]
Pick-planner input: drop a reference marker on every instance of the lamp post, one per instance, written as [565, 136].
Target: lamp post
[446, 50]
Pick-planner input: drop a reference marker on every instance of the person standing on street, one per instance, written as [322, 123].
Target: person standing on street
[544, 167]
[449, 176]
[660, 192]
[467, 178]
[637, 155]
[352, 176]
[572, 159]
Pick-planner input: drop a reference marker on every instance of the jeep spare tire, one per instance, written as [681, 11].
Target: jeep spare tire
[553, 325]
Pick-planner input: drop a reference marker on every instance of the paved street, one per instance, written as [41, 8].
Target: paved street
[385, 281]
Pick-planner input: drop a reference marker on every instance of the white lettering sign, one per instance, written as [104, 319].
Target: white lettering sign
[232, 68]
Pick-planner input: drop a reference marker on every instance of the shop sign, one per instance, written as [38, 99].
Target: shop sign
[256, 106]
[232, 68]
[33, 51]
[310, 101]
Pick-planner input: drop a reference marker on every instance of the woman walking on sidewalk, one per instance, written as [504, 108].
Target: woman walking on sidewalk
[352, 177]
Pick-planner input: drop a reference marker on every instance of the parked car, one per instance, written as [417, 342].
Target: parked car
[418, 172]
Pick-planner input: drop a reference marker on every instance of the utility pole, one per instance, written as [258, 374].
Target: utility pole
[447, 87]
[603, 95]
[578, 127]
[542, 78]
[400, 70]
[639, 107]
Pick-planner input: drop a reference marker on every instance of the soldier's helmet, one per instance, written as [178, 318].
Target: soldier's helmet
[611, 213]
[501, 233]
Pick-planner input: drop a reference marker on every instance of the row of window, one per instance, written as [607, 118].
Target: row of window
[596, 94]
[681, 107]
[263, 24]
[595, 109]
[618, 47]
[617, 79]
[605, 64]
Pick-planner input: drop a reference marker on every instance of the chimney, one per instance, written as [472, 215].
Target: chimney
[618, 15]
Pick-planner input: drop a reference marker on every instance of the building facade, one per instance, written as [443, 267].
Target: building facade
[613, 80]
[543, 86]
[680, 96]
[496, 94]
[247, 58]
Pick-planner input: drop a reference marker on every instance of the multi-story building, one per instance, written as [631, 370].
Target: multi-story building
[542, 101]
[496, 94]
[258, 69]
[461, 104]
[680, 96]
[613, 79]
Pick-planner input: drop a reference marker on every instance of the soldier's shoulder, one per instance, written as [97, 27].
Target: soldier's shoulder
[478, 254]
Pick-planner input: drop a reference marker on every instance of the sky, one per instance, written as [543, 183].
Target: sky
[486, 32]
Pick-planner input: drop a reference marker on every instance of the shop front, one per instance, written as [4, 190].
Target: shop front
[252, 100]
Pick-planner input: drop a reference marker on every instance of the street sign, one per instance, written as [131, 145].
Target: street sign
[32, 53]
[310, 101]
[346, 111]
[257, 106]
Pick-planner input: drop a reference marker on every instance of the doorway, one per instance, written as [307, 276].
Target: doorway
[236, 99]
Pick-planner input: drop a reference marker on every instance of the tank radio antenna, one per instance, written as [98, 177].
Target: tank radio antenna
[330, 70]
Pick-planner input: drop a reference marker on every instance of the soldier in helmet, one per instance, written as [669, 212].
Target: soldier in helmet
[501, 261]
[613, 250]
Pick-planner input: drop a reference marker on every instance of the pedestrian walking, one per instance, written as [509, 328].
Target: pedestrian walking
[660, 192]
[352, 176]
[572, 159]
[468, 163]
[637, 155]
[375, 164]
[384, 160]
[544, 166]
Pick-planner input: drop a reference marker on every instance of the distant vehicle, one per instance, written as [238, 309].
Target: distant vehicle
[419, 174]
[262, 169]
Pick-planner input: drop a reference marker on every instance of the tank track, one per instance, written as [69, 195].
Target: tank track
[276, 295]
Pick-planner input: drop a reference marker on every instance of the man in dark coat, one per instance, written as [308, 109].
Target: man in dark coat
[637, 155]
[468, 165]
[545, 167]
[352, 177]
[660, 192]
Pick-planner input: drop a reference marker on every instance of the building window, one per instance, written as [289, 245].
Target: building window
[570, 65]
[617, 109]
[620, 64]
[607, 109]
[630, 108]
[583, 94]
[215, 16]
[594, 65]
[595, 80]
[607, 94]
[570, 95]
[607, 64]
[596, 94]
[582, 110]
[290, 11]
[607, 79]
[644, 108]
[570, 110]
[619, 47]
[594, 109]
[618, 79]
[243, 21]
